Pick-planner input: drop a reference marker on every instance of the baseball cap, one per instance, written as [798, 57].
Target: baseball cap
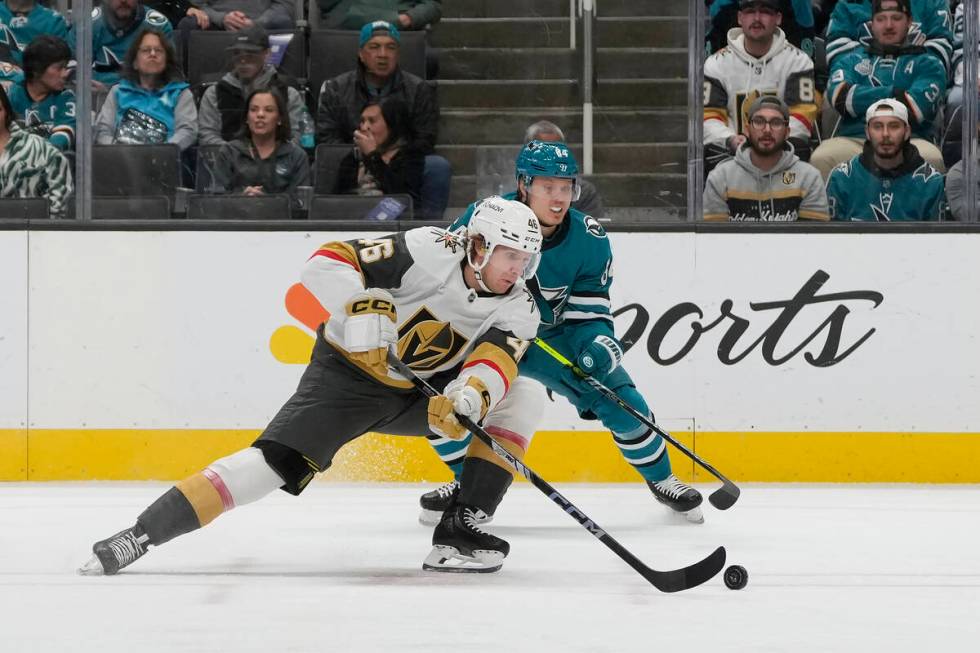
[772, 4]
[768, 102]
[887, 107]
[893, 5]
[378, 27]
[253, 38]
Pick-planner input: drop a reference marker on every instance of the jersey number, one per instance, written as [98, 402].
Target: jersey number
[375, 250]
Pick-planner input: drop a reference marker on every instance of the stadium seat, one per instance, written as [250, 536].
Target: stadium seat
[334, 52]
[148, 207]
[238, 207]
[355, 207]
[207, 57]
[136, 170]
[327, 167]
[28, 208]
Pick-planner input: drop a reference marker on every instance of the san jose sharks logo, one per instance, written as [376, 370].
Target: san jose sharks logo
[551, 301]
[880, 210]
[106, 60]
[425, 342]
[9, 39]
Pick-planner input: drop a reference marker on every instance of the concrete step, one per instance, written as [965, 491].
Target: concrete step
[661, 190]
[609, 125]
[644, 31]
[559, 63]
[494, 93]
[511, 8]
[607, 157]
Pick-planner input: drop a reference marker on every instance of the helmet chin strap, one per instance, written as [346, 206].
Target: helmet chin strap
[479, 281]
[477, 269]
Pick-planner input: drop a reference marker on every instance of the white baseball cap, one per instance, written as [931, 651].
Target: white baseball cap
[887, 107]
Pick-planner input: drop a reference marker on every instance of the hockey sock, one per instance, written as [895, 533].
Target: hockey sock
[646, 451]
[197, 500]
[485, 479]
[451, 452]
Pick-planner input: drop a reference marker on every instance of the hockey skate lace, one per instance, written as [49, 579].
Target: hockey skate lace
[126, 548]
[470, 519]
[447, 490]
[672, 486]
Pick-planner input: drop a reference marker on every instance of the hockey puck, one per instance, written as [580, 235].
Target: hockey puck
[736, 577]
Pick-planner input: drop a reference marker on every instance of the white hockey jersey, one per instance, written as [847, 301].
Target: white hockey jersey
[441, 321]
[733, 79]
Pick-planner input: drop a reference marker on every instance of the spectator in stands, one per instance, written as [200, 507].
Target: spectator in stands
[384, 160]
[797, 23]
[352, 14]
[23, 20]
[41, 100]
[851, 28]
[30, 166]
[378, 76]
[234, 16]
[956, 193]
[152, 104]
[889, 180]
[890, 67]
[223, 109]
[263, 160]
[589, 201]
[765, 181]
[116, 24]
[953, 129]
[758, 61]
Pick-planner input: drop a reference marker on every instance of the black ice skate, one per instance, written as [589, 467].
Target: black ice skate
[679, 497]
[437, 501]
[458, 544]
[116, 552]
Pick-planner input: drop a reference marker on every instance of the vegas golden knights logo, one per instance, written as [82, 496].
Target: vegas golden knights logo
[425, 343]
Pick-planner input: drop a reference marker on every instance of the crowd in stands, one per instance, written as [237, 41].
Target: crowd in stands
[854, 95]
[873, 133]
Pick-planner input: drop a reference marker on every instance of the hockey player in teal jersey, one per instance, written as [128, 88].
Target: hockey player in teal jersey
[114, 26]
[22, 20]
[41, 100]
[573, 281]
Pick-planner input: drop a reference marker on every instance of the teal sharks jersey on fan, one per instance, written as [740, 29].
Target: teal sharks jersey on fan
[53, 118]
[109, 44]
[17, 31]
[572, 282]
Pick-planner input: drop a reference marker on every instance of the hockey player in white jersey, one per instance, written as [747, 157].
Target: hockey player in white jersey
[456, 309]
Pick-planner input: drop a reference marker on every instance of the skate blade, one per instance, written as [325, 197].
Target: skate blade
[92, 567]
[449, 559]
[695, 516]
[433, 517]
[430, 517]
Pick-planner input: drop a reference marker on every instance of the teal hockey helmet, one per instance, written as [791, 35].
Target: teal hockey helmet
[547, 159]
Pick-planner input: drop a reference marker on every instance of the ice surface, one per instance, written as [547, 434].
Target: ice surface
[832, 568]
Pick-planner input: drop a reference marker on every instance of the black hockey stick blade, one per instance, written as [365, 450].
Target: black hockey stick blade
[688, 577]
[674, 580]
[725, 497]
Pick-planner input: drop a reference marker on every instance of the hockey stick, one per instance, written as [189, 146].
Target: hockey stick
[723, 498]
[674, 580]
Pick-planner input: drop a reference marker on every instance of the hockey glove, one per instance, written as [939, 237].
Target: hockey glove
[467, 396]
[371, 328]
[600, 357]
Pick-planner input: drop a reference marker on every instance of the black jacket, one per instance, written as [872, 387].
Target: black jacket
[343, 97]
[237, 166]
[403, 174]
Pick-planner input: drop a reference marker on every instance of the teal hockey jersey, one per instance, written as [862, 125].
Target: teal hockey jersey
[17, 31]
[109, 45]
[858, 190]
[53, 118]
[572, 282]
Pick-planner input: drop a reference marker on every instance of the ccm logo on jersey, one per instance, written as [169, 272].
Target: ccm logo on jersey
[372, 305]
